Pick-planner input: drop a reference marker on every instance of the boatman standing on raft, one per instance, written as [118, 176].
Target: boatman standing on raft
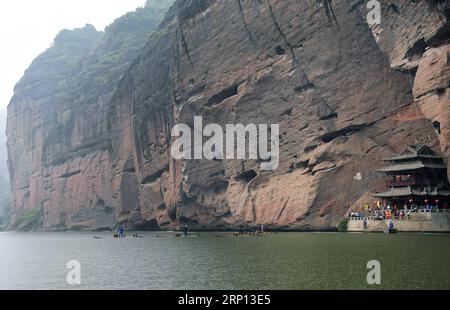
[121, 231]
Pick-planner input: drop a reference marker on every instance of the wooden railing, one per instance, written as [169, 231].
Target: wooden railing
[372, 216]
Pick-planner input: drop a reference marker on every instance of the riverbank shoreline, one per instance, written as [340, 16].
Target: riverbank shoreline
[231, 232]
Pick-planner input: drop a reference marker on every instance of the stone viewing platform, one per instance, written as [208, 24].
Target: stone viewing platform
[414, 221]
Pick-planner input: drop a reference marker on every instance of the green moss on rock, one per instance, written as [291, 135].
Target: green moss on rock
[30, 220]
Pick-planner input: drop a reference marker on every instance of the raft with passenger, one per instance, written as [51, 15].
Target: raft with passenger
[117, 236]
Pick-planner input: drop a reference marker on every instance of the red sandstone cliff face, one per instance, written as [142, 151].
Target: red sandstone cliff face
[345, 96]
[58, 140]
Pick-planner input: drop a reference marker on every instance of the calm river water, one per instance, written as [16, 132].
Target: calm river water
[221, 261]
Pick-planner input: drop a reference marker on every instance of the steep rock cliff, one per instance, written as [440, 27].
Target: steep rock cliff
[58, 140]
[340, 90]
[345, 94]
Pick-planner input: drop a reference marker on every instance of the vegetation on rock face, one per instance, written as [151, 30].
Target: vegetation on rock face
[4, 214]
[30, 220]
[343, 225]
[122, 43]
[82, 70]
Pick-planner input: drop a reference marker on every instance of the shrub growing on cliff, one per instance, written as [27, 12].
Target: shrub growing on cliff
[5, 209]
[30, 220]
[343, 225]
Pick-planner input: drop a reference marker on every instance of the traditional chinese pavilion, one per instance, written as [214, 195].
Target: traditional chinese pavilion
[417, 177]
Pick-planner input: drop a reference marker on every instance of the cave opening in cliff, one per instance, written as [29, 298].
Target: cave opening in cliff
[151, 225]
[223, 95]
[155, 177]
[310, 148]
[440, 91]
[221, 187]
[280, 51]
[328, 116]
[288, 112]
[246, 176]
[302, 164]
[437, 127]
[325, 112]
[417, 50]
[304, 88]
[344, 132]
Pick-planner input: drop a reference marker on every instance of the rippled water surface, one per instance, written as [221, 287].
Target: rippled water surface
[221, 261]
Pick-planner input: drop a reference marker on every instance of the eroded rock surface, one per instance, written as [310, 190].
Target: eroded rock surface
[344, 94]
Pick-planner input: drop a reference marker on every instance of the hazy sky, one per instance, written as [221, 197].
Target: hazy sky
[28, 27]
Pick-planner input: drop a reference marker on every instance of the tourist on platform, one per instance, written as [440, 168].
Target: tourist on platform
[427, 206]
[437, 204]
[391, 225]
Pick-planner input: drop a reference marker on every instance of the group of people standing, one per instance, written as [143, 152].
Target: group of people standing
[386, 211]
